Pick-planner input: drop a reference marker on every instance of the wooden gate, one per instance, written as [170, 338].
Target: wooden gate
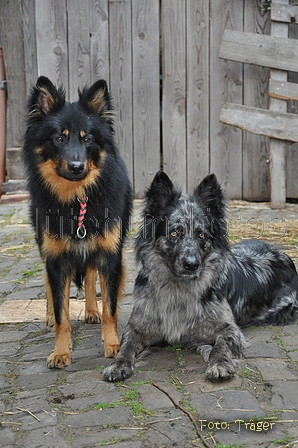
[160, 58]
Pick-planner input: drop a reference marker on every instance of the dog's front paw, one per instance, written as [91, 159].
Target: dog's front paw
[118, 371]
[220, 371]
[58, 361]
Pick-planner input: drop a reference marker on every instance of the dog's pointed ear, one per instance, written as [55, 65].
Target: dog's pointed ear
[97, 98]
[45, 97]
[210, 196]
[160, 193]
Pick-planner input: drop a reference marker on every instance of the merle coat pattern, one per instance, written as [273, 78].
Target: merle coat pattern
[191, 281]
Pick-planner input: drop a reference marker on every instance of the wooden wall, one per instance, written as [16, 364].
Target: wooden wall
[160, 59]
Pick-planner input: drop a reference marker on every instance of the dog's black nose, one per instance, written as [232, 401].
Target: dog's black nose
[75, 168]
[191, 264]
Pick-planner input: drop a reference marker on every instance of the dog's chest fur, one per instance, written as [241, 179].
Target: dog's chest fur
[180, 310]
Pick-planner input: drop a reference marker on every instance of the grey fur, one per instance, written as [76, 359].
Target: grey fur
[194, 289]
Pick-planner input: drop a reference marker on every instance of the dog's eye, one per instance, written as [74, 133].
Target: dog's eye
[87, 140]
[59, 139]
[201, 235]
[174, 234]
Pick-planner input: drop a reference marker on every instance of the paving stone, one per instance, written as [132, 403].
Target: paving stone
[273, 369]
[38, 380]
[290, 329]
[30, 368]
[262, 350]
[12, 336]
[27, 294]
[226, 405]
[251, 438]
[7, 437]
[28, 422]
[285, 395]
[153, 399]
[205, 386]
[47, 437]
[108, 437]
[114, 416]
[34, 404]
[9, 349]
[290, 341]
[4, 383]
[28, 394]
[293, 355]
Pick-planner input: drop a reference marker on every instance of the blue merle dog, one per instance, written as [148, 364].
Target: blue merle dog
[193, 288]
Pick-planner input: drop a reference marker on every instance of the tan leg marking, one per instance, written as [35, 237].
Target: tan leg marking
[50, 315]
[92, 315]
[61, 354]
[109, 336]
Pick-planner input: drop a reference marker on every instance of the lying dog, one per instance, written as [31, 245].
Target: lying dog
[193, 286]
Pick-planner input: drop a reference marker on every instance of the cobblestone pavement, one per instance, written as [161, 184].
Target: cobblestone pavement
[75, 407]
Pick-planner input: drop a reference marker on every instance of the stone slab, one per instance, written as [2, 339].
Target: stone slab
[273, 369]
[35, 310]
[285, 395]
[114, 416]
[226, 405]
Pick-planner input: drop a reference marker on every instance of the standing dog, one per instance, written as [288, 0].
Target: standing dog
[81, 201]
[191, 281]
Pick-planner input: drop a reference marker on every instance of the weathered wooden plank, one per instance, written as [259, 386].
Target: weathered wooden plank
[146, 98]
[277, 148]
[99, 40]
[121, 77]
[174, 90]
[291, 170]
[255, 169]
[11, 25]
[29, 27]
[282, 126]
[267, 51]
[197, 111]
[78, 46]
[226, 84]
[284, 13]
[51, 41]
[292, 107]
[283, 90]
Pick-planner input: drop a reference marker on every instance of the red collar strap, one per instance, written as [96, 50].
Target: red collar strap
[81, 230]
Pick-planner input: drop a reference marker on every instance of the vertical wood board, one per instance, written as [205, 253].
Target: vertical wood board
[99, 40]
[226, 84]
[197, 111]
[29, 27]
[121, 77]
[256, 174]
[11, 25]
[51, 41]
[277, 147]
[78, 46]
[146, 92]
[174, 90]
[292, 107]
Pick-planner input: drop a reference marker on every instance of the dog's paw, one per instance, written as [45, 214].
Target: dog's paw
[205, 351]
[117, 372]
[93, 317]
[220, 371]
[111, 343]
[58, 361]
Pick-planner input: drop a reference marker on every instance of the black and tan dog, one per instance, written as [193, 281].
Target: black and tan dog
[194, 288]
[81, 201]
